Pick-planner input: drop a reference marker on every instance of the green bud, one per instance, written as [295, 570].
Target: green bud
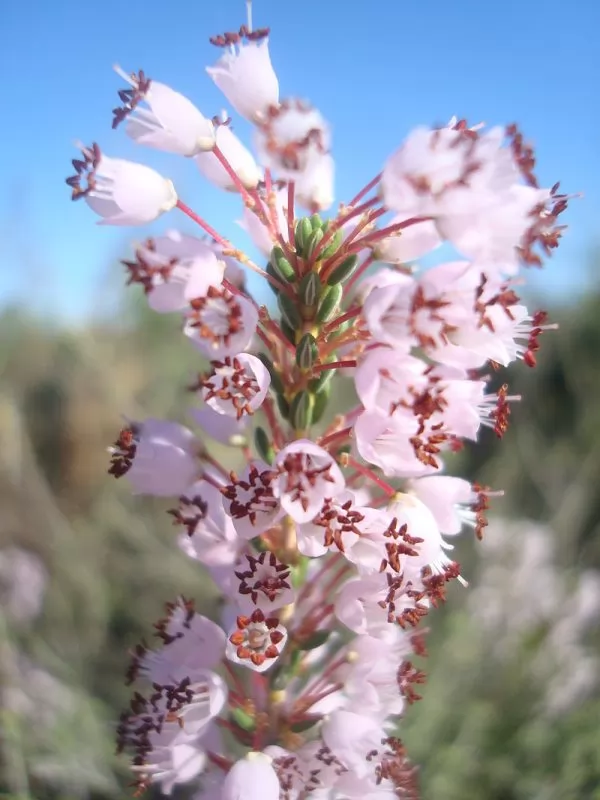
[317, 639]
[276, 382]
[281, 265]
[301, 409]
[289, 311]
[316, 222]
[270, 270]
[330, 302]
[312, 242]
[263, 445]
[302, 233]
[283, 406]
[242, 719]
[309, 289]
[307, 351]
[321, 401]
[322, 382]
[343, 271]
[334, 244]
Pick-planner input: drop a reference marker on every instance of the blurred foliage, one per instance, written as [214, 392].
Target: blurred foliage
[112, 561]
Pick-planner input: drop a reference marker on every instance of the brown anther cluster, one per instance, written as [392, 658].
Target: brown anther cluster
[269, 586]
[228, 302]
[426, 449]
[142, 272]
[234, 38]
[544, 230]
[396, 768]
[408, 676]
[435, 583]
[191, 511]
[411, 613]
[298, 470]
[338, 520]
[290, 154]
[236, 385]
[501, 413]
[138, 654]
[85, 169]
[259, 485]
[162, 625]
[402, 545]
[131, 97]
[123, 452]
[256, 638]
[433, 305]
[523, 154]
[480, 507]
[539, 319]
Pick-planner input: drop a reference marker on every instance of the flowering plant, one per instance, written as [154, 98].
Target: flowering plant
[330, 542]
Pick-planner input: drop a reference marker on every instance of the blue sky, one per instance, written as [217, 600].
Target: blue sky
[374, 69]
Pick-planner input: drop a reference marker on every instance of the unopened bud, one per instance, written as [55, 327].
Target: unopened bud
[309, 289]
[242, 719]
[302, 233]
[330, 301]
[301, 409]
[289, 311]
[307, 351]
[333, 245]
[316, 222]
[276, 382]
[343, 271]
[283, 406]
[274, 274]
[321, 401]
[281, 265]
[322, 382]
[311, 245]
[263, 445]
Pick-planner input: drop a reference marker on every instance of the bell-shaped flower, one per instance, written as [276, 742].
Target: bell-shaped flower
[221, 323]
[170, 763]
[389, 441]
[351, 737]
[209, 535]
[238, 156]
[263, 582]
[251, 778]
[306, 476]
[220, 427]
[451, 500]
[121, 192]
[236, 386]
[169, 121]
[250, 500]
[161, 458]
[247, 79]
[420, 523]
[314, 185]
[408, 244]
[256, 641]
[174, 269]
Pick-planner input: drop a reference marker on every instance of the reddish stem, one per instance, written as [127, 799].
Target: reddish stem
[333, 437]
[365, 190]
[368, 473]
[359, 272]
[204, 225]
[335, 323]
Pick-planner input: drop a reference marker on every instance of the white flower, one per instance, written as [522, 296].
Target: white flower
[256, 641]
[221, 324]
[239, 158]
[247, 79]
[171, 122]
[251, 778]
[236, 386]
[121, 192]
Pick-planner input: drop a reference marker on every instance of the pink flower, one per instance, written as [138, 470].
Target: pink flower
[261, 236]
[306, 476]
[165, 461]
[251, 502]
[410, 243]
[174, 269]
[236, 386]
[210, 536]
[221, 324]
[247, 79]
[263, 582]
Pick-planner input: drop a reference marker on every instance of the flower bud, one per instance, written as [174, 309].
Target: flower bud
[316, 222]
[276, 383]
[281, 265]
[343, 271]
[289, 311]
[283, 406]
[309, 289]
[307, 351]
[251, 778]
[313, 240]
[263, 445]
[334, 244]
[321, 401]
[330, 301]
[322, 382]
[302, 233]
[301, 410]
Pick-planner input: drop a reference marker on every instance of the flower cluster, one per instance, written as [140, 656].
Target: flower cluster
[332, 540]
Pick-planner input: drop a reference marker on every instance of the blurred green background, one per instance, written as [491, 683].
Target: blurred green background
[511, 710]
